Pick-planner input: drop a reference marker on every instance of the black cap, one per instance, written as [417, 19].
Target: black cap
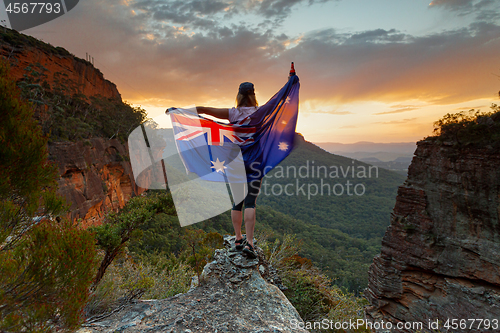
[246, 88]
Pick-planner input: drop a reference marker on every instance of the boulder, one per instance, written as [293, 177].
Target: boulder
[232, 296]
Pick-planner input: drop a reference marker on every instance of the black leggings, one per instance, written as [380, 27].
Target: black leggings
[251, 198]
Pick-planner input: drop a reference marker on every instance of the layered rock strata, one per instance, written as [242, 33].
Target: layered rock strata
[440, 256]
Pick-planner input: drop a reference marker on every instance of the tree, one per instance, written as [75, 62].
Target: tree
[28, 182]
[119, 228]
[47, 263]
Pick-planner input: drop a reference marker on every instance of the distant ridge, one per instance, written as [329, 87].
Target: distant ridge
[394, 156]
[406, 148]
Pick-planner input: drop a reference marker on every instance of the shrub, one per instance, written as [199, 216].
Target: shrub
[310, 291]
[201, 247]
[170, 276]
[45, 279]
[155, 277]
[471, 127]
[28, 181]
[46, 263]
[119, 228]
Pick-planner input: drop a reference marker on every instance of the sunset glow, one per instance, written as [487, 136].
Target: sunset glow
[381, 71]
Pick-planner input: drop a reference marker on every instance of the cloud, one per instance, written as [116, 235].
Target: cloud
[461, 5]
[488, 16]
[398, 122]
[470, 108]
[399, 109]
[442, 68]
[348, 127]
[276, 9]
[192, 52]
[332, 112]
[207, 14]
[483, 10]
[377, 35]
[196, 14]
[452, 4]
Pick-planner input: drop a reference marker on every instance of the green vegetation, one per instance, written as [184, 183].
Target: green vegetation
[18, 40]
[341, 234]
[152, 277]
[161, 263]
[46, 278]
[113, 235]
[47, 263]
[469, 128]
[145, 253]
[66, 115]
[345, 259]
[364, 216]
[310, 291]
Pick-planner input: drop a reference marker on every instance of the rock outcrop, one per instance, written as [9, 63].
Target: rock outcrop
[232, 296]
[440, 256]
[96, 177]
[88, 80]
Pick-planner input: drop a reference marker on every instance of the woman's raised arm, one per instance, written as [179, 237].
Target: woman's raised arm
[215, 112]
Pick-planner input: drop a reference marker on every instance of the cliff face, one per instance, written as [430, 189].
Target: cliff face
[440, 256]
[96, 177]
[87, 79]
[95, 174]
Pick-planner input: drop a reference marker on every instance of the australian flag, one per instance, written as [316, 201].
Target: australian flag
[240, 151]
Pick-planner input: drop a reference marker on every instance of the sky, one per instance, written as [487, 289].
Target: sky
[370, 70]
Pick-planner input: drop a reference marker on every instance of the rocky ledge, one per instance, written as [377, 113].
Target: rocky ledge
[235, 294]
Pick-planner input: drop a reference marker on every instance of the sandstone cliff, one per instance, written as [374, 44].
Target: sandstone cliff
[96, 177]
[23, 51]
[236, 294]
[440, 256]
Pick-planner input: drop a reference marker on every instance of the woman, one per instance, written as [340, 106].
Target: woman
[246, 104]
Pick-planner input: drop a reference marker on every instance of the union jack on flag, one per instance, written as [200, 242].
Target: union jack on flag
[188, 127]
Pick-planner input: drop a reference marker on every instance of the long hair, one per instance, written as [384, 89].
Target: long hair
[246, 100]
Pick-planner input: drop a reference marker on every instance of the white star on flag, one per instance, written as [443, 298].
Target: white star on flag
[287, 100]
[283, 146]
[218, 165]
